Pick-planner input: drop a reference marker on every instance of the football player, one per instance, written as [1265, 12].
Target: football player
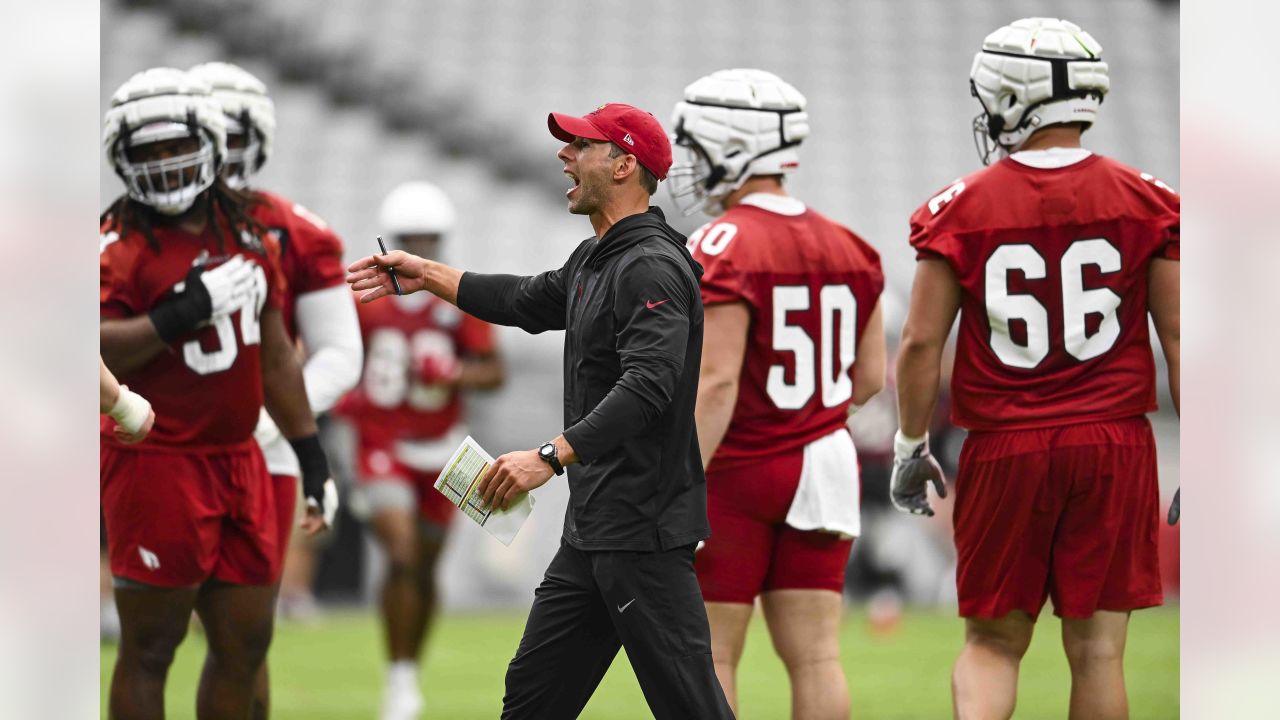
[420, 353]
[190, 307]
[1053, 257]
[793, 344]
[316, 307]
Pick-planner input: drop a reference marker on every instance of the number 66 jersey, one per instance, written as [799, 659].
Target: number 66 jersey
[811, 286]
[206, 388]
[1052, 250]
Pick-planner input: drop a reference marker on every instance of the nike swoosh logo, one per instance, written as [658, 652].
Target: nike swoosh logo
[623, 608]
[651, 305]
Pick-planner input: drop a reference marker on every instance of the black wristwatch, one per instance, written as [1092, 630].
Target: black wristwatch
[548, 454]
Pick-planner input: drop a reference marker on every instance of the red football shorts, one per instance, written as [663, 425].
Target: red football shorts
[1069, 512]
[378, 466]
[177, 519]
[285, 488]
[751, 549]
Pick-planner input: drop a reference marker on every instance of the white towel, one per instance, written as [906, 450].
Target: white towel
[431, 455]
[828, 496]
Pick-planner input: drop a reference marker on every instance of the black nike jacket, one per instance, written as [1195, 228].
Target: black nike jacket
[632, 311]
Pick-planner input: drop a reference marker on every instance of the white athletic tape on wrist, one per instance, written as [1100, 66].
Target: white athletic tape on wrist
[131, 410]
[904, 447]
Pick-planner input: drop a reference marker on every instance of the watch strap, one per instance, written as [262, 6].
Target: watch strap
[548, 454]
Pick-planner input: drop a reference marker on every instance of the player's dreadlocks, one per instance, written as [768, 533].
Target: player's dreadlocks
[222, 202]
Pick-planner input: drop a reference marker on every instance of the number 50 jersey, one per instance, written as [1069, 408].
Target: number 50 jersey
[1053, 264]
[811, 285]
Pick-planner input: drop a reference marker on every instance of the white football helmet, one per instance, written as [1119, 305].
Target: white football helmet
[249, 111]
[1031, 74]
[164, 104]
[416, 207]
[733, 124]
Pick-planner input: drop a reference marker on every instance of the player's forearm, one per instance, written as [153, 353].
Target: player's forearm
[128, 344]
[866, 387]
[108, 388]
[868, 369]
[713, 412]
[484, 372]
[919, 371]
[1172, 356]
[283, 388]
[1163, 300]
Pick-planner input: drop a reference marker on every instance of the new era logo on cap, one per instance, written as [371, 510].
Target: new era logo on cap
[622, 124]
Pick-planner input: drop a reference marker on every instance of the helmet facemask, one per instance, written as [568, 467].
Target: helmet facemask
[169, 185]
[692, 177]
[242, 160]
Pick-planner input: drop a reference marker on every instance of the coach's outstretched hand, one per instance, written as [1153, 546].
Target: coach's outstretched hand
[371, 275]
[1175, 510]
[913, 469]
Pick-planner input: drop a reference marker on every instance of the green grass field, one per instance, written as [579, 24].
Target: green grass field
[334, 670]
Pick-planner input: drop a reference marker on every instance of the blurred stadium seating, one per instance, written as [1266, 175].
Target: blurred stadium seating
[370, 93]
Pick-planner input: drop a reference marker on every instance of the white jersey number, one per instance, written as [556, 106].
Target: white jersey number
[1078, 302]
[389, 377]
[714, 237]
[837, 386]
[216, 361]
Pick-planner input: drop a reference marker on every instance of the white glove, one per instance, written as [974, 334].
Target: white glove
[330, 508]
[913, 469]
[229, 285]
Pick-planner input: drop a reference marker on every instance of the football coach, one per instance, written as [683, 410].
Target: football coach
[629, 303]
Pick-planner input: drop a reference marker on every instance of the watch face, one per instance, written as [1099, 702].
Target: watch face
[547, 451]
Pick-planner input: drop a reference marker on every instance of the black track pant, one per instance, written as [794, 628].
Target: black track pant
[588, 605]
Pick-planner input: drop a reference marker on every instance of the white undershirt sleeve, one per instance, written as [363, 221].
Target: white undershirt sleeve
[330, 330]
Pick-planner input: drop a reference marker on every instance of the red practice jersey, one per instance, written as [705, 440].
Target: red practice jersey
[206, 389]
[403, 336]
[1053, 264]
[310, 252]
[810, 285]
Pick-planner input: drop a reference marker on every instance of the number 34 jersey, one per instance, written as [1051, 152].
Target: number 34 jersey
[206, 387]
[1053, 265]
[412, 343]
[810, 285]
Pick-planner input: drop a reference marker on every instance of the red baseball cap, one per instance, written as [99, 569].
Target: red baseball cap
[632, 129]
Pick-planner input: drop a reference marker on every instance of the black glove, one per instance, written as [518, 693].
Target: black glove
[206, 294]
[1175, 510]
[913, 469]
[317, 486]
